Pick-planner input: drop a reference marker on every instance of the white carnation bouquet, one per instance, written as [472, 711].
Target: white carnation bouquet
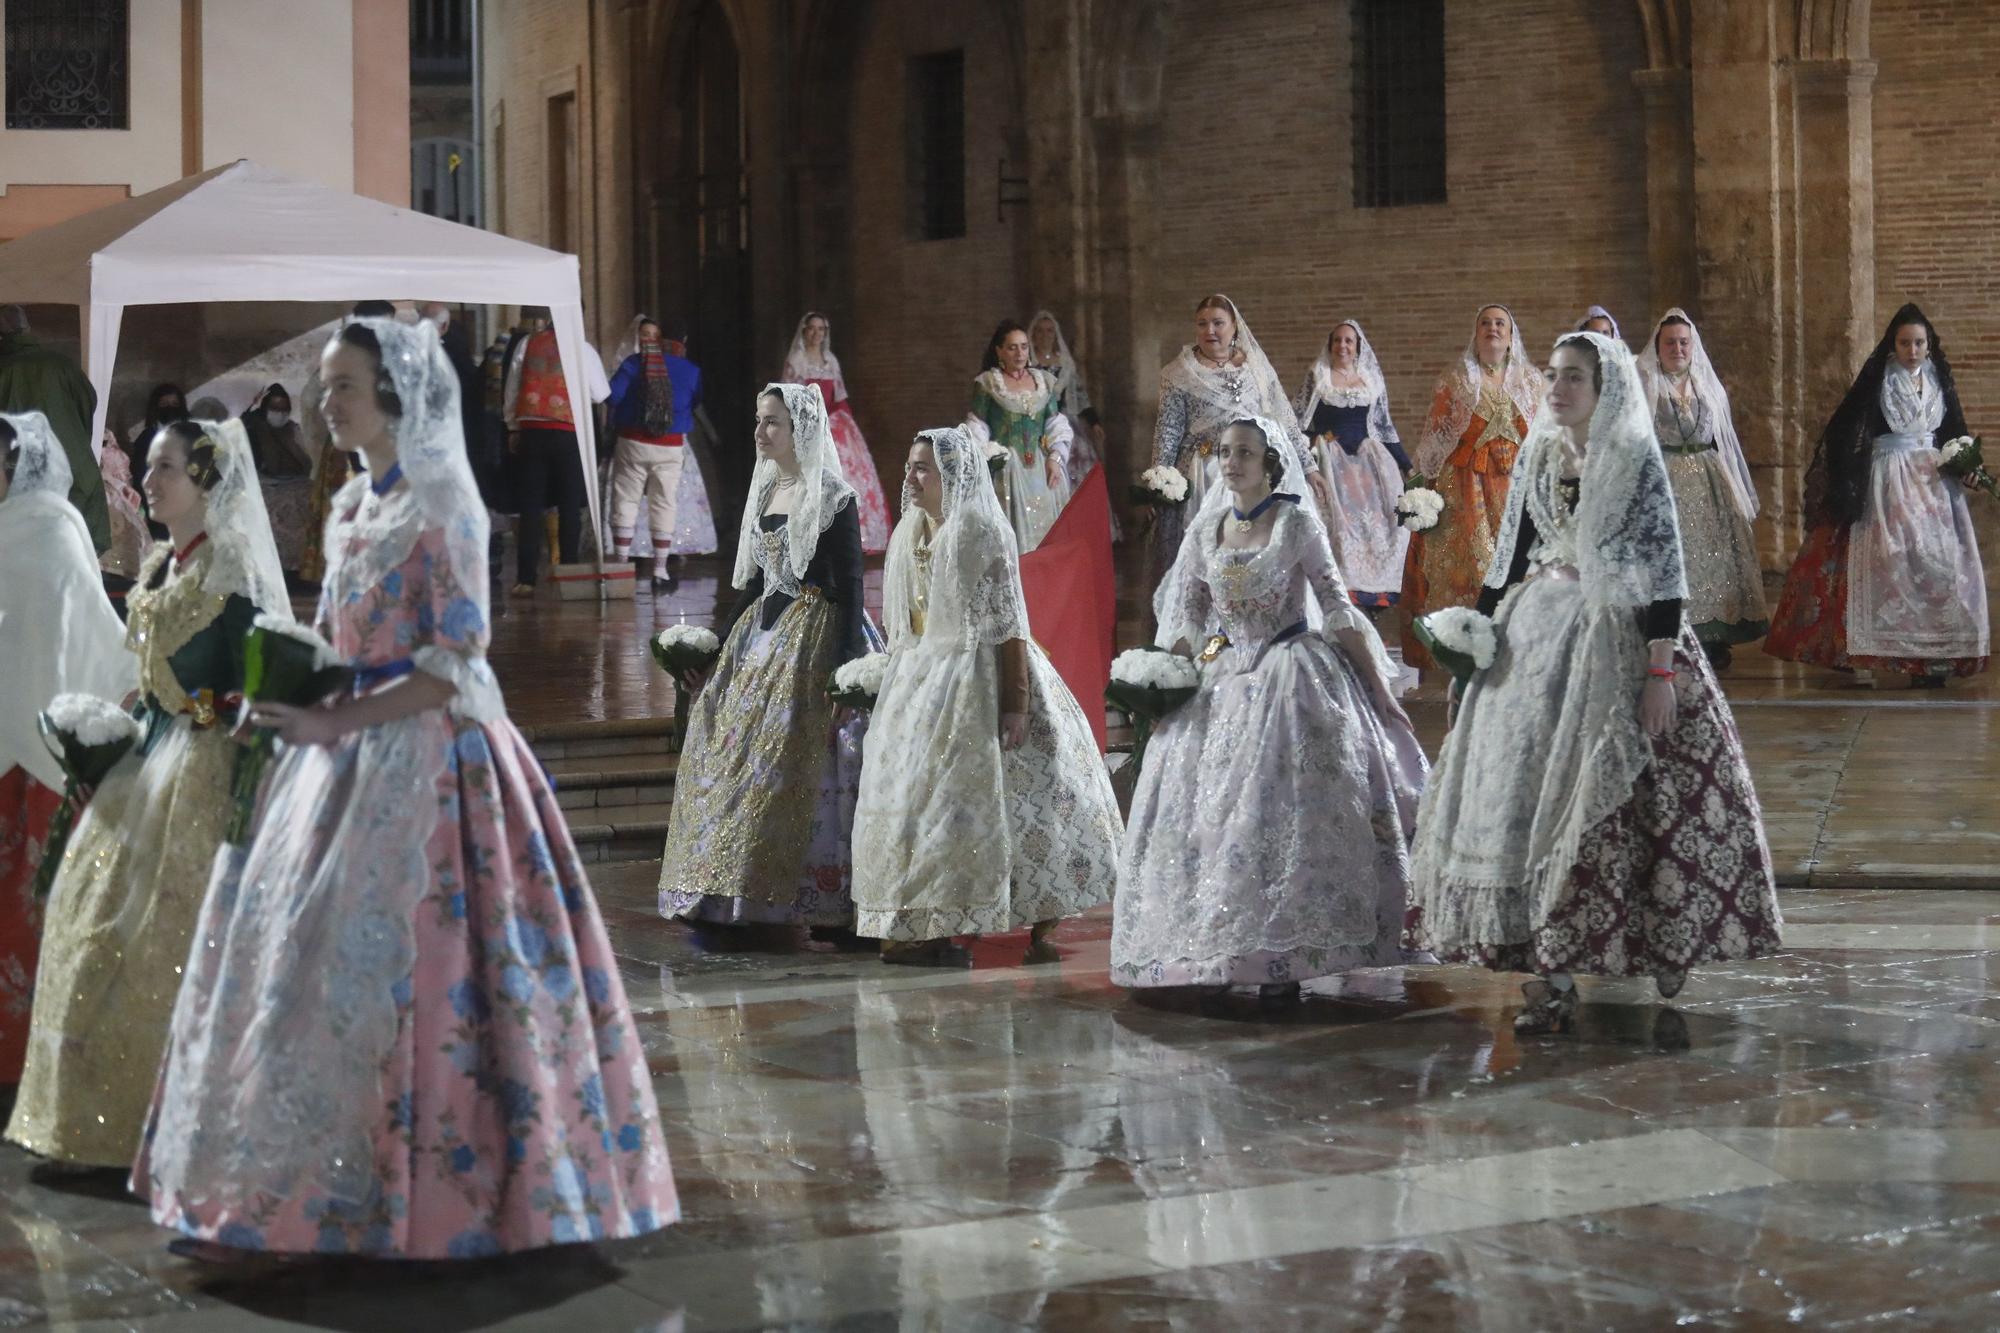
[1418, 507]
[1147, 684]
[284, 662]
[1160, 487]
[858, 683]
[996, 457]
[1459, 638]
[1964, 459]
[679, 650]
[88, 736]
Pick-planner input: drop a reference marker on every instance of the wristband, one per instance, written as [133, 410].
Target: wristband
[1660, 673]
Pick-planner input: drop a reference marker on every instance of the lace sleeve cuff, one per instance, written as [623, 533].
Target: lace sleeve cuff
[478, 698]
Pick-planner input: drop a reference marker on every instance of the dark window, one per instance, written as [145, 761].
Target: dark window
[67, 64]
[441, 41]
[936, 132]
[1398, 102]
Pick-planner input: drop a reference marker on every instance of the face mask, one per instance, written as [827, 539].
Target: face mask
[173, 412]
[277, 418]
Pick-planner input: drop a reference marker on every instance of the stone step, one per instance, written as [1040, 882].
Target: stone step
[631, 832]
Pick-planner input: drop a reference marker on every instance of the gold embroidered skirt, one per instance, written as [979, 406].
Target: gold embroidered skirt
[752, 767]
[114, 942]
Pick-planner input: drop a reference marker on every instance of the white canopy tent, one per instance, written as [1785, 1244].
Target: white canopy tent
[247, 233]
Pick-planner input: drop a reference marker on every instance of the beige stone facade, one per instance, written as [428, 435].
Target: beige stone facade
[1789, 170]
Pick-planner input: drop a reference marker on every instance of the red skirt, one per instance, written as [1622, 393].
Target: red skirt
[1809, 623]
[26, 808]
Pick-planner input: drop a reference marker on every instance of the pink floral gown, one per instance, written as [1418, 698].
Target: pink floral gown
[858, 466]
[403, 1030]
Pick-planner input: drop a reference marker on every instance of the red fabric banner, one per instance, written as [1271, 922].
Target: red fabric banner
[1072, 596]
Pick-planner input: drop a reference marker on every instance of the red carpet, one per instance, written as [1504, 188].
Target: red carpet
[1072, 597]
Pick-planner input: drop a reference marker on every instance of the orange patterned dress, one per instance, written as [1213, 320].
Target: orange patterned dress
[1447, 564]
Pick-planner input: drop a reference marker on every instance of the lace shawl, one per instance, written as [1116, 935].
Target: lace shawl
[1248, 388]
[1457, 395]
[975, 586]
[1319, 388]
[1708, 390]
[822, 488]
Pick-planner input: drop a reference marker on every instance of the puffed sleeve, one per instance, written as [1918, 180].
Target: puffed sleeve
[1329, 589]
[449, 637]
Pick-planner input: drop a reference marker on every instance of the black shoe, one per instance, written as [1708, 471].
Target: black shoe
[1927, 682]
[1719, 655]
[665, 582]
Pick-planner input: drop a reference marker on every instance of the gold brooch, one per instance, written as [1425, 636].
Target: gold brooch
[1212, 649]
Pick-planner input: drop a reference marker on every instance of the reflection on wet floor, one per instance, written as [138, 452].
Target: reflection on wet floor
[1808, 1141]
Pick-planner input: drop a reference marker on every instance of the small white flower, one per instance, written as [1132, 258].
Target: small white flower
[1145, 668]
[323, 654]
[1463, 630]
[1953, 448]
[1170, 484]
[698, 638]
[863, 675]
[91, 720]
[994, 450]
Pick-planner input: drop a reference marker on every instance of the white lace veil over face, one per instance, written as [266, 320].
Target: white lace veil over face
[244, 558]
[1707, 387]
[1624, 536]
[975, 594]
[1217, 404]
[822, 488]
[430, 449]
[802, 364]
[41, 464]
[1522, 382]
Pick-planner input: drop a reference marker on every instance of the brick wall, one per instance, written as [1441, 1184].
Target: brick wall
[1547, 189]
[923, 310]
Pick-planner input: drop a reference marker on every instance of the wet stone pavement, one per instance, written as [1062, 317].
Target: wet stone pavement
[1810, 1141]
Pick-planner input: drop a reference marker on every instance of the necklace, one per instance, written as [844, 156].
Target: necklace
[1244, 522]
[784, 482]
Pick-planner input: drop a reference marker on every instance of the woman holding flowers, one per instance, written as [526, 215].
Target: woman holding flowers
[1479, 415]
[988, 807]
[764, 798]
[1889, 577]
[58, 635]
[1269, 830]
[130, 885]
[1591, 810]
[403, 1033]
[1344, 409]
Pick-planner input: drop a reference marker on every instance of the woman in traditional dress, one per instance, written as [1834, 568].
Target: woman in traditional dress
[1599, 320]
[1591, 810]
[1889, 577]
[764, 797]
[1220, 377]
[164, 403]
[986, 807]
[403, 1032]
[1713, 492]
[810, 360]
[126, 898]
[1245, 862]
[1479, 415]
[1344, 408]
[1017, 407]
[58, 635]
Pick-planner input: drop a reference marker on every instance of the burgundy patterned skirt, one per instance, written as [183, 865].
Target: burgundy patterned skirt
[1677, 876]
